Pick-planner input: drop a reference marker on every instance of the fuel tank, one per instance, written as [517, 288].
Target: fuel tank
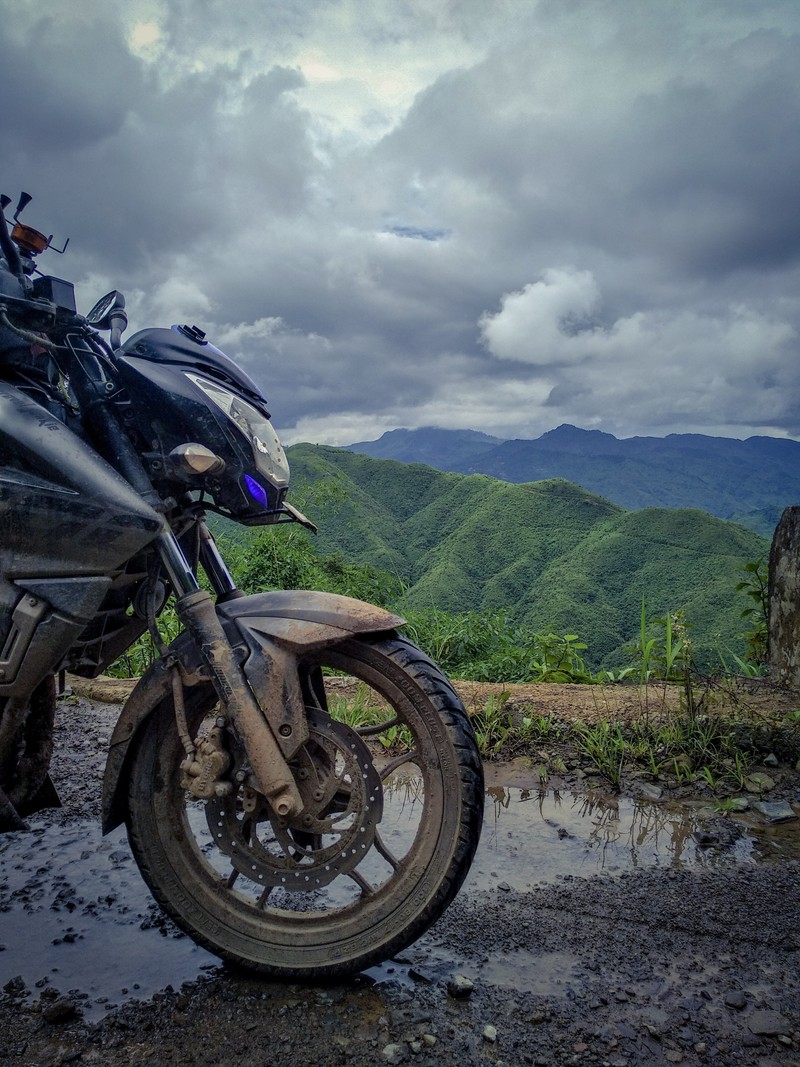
[64, 511]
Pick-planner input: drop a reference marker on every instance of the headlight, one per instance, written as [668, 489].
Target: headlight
[270, 459]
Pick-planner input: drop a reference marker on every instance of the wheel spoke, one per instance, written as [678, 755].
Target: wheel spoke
[231, 879]
[405, 757]
[366, 889]
[371, 731]
[386, 852]
[262, 900]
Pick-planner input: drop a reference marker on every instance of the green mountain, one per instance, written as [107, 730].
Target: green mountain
[745, 481]
[550, 553]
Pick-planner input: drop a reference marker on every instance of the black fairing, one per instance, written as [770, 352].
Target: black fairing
[169, 410]
[63, 510]
[176, 348]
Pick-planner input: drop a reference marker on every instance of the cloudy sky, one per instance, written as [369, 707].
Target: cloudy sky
[489, 214]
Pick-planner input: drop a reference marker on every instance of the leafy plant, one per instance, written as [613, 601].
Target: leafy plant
[755, 585]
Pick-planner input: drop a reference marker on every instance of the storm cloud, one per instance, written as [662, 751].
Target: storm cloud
[501, 217]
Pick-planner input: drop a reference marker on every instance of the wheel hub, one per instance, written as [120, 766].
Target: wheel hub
[342, 805]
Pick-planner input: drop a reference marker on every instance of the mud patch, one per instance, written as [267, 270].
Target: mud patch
[76, 915]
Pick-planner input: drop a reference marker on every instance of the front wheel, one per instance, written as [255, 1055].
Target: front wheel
[392, 786]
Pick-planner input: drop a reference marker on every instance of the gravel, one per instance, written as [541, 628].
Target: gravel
[664, 965]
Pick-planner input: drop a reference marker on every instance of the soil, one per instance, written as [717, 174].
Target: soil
[658, 966]
[589, 703]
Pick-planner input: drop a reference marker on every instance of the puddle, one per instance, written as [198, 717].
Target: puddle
[75, 913]
[531, 837]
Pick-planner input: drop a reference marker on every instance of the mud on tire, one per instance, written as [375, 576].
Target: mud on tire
[394, 787]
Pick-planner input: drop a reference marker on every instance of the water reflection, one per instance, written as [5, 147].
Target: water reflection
[542, 834]
[74, 912]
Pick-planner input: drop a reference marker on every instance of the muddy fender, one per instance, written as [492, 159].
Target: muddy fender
[293, 620]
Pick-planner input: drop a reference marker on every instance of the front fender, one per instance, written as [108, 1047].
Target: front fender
[285, 622]
[277, 613]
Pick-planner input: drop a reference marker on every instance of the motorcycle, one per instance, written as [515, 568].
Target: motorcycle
[260, 808]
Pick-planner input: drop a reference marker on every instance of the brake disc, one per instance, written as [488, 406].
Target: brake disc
[342, 806]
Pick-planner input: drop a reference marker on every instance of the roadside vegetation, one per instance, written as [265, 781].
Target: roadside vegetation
[706, 736]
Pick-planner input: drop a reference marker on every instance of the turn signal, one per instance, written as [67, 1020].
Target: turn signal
[194, 458]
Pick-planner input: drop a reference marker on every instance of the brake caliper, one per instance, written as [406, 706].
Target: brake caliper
[203, 771]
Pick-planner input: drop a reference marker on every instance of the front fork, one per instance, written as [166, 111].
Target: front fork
[196, 610]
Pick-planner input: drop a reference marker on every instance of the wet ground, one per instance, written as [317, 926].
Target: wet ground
[594, 929]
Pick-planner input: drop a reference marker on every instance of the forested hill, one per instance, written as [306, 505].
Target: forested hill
[748, 481]
[553, 554]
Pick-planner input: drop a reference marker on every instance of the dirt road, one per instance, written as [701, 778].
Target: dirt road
[693, 965]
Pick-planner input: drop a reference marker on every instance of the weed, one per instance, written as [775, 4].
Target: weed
[493, 726]
[143, 653]
[605, 746]
[367, 716]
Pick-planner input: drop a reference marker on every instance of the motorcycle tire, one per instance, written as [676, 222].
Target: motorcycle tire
[24, 779]
[394, 790]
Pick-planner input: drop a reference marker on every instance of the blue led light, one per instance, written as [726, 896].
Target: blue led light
[256, 491]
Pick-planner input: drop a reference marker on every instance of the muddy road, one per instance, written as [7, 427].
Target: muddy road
[592, 930]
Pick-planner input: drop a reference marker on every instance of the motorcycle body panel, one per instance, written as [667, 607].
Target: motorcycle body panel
[68, 521]
[298, 620]
[174, 347]
[170, 410]
[64, 511]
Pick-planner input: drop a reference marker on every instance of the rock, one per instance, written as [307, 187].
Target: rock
[429, 1040]
[15, 987]
[489, 1034]
[771, 760]
[59, 1010]
[769, 1023]
[776, 811]
[393, 1053]
[759, 782]
[505, 887]
[736, 999]
[738, 804]
[649, 791]
[459, 987]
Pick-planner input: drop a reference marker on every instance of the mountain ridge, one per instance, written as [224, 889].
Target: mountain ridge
[748, 481]
[550, 553]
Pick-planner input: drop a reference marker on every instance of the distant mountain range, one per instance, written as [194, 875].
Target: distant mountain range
[749, 482]
[549, 553]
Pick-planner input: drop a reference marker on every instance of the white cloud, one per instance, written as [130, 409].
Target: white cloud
[653, 368]
[541, 323]
[178, 299]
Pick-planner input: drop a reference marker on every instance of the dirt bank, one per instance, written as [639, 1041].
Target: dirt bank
[589, 703]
